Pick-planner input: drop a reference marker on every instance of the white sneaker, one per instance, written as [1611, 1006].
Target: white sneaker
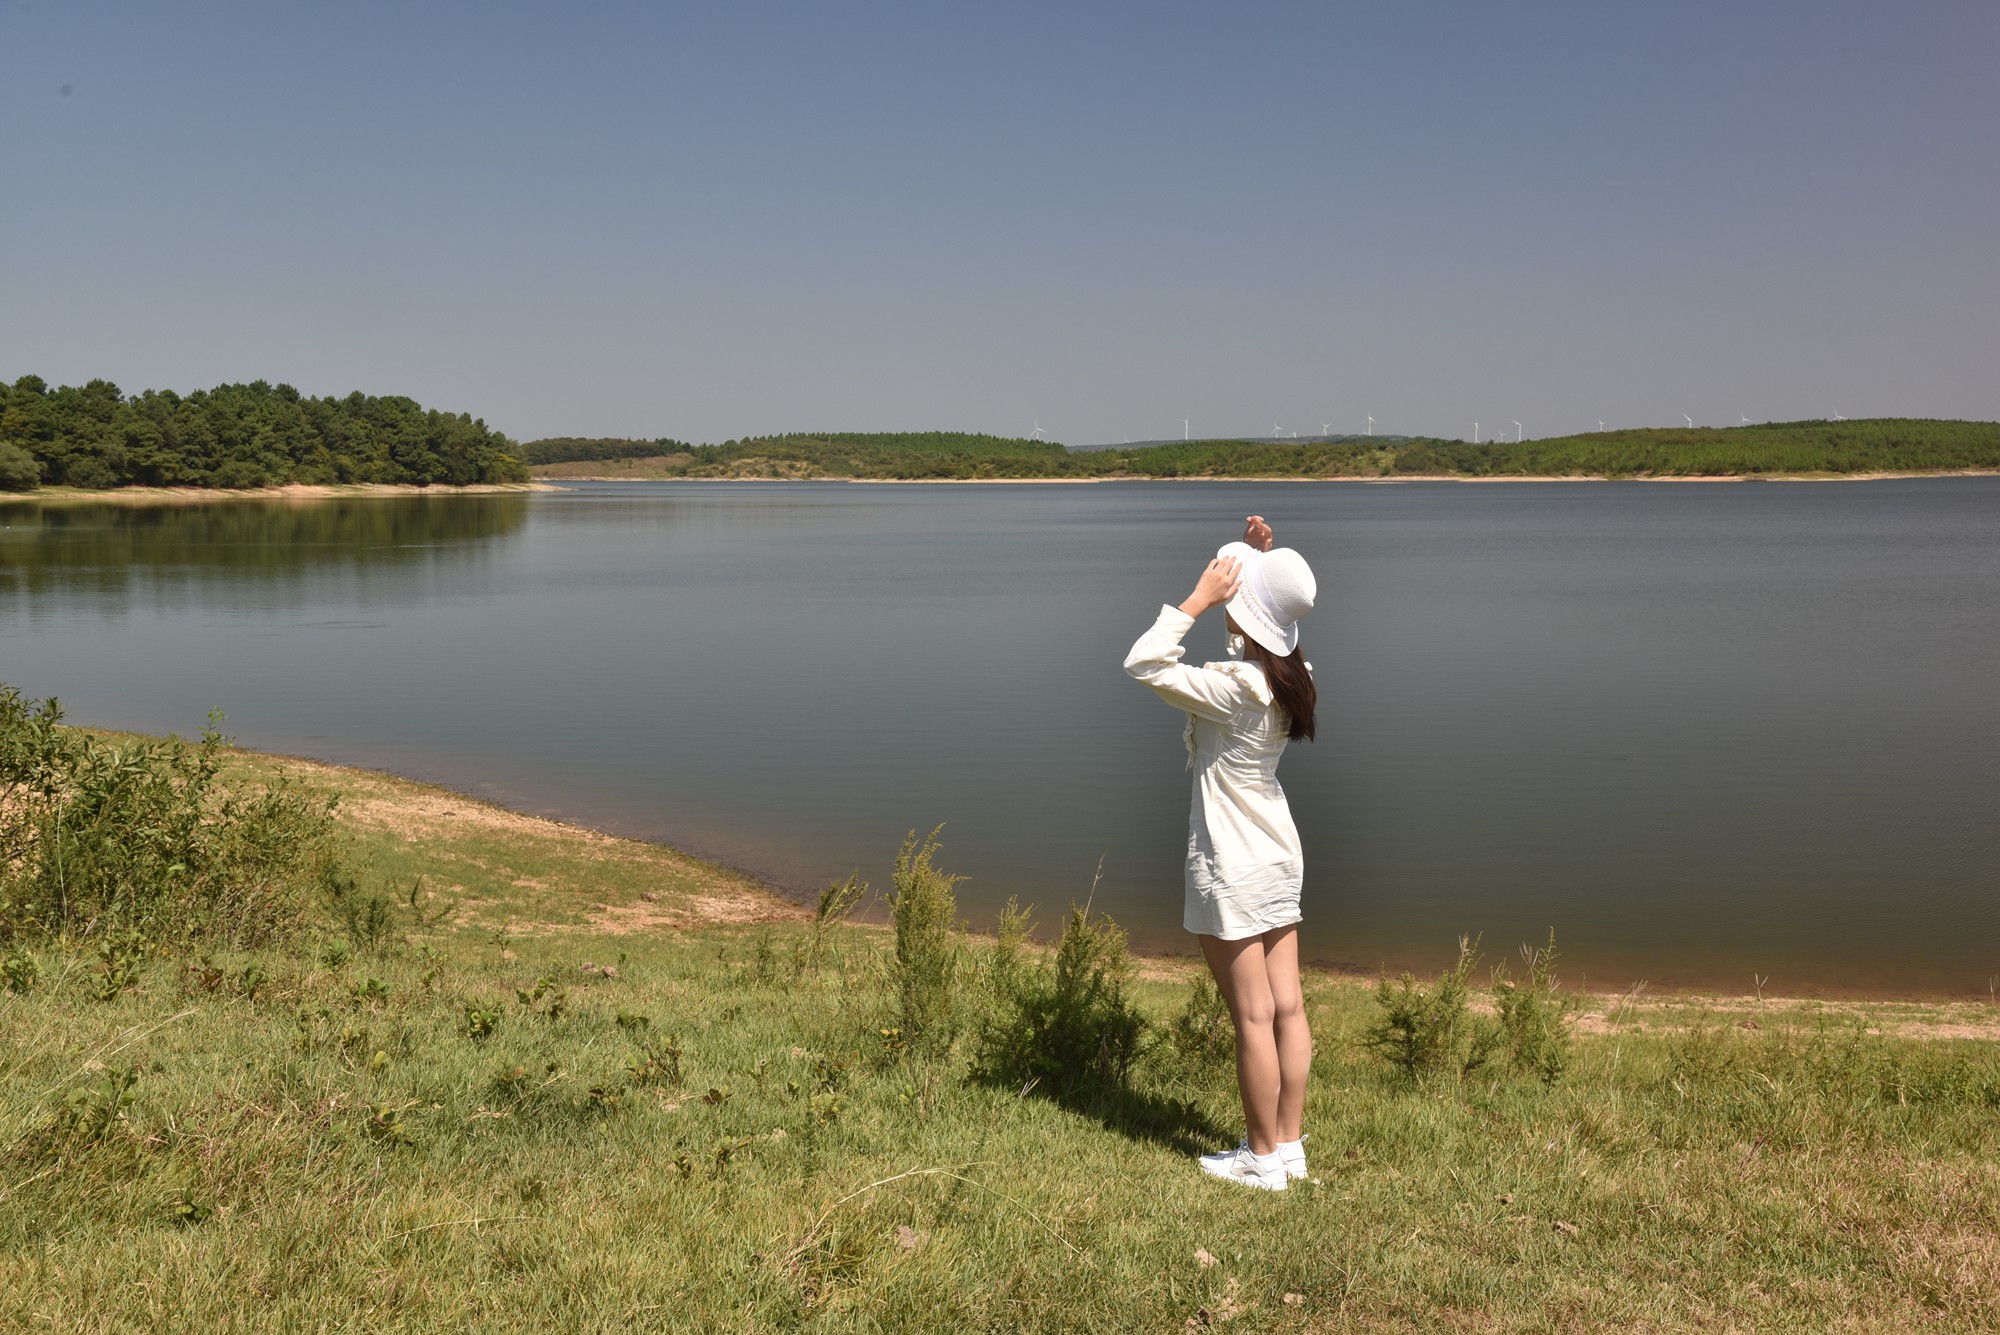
[1292, 1151]
[1252, 1170]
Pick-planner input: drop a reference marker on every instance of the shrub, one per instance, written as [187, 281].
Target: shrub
[19, 470]
[1427, 1032]
[1202, 1035]
[1003, 961]
[99, 838]
[836, 902]
[20, 971]
[1534, 1017]
[90, 1111]
[1067, 1025]
[923, 911]
[369, 919]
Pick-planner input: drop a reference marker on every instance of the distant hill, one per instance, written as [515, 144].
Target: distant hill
[1877, 445]
[1236, 440]
[908, 455]
[574, 449]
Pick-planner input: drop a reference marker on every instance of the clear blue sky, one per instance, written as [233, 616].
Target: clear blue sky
[715, 220]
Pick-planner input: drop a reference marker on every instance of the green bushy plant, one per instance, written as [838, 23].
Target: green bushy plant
[837, 902]
[19, 470]
[1067, 1024]
[1202, 1035]
[120, 959]
[1011, 932]
[369, 919]
[89, 1111]
[924, 912]
[20, 971]
[1428, 1032]
[99, 838]
[1535, 1018]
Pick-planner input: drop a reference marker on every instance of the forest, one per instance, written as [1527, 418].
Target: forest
[1879, 445]
[581, 449]
[237, 436]
[258, 435]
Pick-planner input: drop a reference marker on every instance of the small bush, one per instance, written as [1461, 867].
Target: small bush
[1428, 1032]
[1202, 1035]
[1003, 962]
[90, 1111]
[21, 971]
[119, 961]
[836, 903]
[369, 920]
[478, 1022]
[1534, 1016]
[1068, 1024]
[926, 971]
[657, 1063]
[100, 838]
[19, 470]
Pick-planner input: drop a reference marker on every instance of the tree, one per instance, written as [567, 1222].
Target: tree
[18, 469]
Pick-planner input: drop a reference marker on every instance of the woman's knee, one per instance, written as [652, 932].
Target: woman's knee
[1288, 1009]
[1255, 1011]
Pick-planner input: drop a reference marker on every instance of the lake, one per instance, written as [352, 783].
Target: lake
[1705, 732]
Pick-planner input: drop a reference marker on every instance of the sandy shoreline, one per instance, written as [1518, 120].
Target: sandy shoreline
[548, 484]
[296, 491]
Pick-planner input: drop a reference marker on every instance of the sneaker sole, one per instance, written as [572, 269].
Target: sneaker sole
[1224, 1175]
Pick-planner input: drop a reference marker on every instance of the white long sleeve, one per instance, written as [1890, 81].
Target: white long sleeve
[1156, 660]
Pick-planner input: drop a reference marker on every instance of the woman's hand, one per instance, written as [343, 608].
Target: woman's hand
[1257, 533]
[1217, 586]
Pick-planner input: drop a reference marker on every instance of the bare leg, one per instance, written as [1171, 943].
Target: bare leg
[1245, 983]
[1288, 1017]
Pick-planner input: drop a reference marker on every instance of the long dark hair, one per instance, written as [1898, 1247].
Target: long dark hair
[1291, 683]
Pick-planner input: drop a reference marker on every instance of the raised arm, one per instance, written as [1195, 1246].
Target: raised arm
[1156, 658]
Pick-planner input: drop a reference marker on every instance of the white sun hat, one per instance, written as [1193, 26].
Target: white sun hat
[1277, 589]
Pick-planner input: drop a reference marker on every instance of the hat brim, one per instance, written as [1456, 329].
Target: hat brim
[1246, 609]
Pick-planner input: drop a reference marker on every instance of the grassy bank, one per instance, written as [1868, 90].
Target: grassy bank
[532, 1077]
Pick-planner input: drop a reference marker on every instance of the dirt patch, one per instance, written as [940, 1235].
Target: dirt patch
[1611, 1014]
[689, 911]
[413, 810]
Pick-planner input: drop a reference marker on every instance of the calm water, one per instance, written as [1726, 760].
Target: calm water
[1703, 731]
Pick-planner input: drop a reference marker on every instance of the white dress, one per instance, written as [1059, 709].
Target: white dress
[1244, 862]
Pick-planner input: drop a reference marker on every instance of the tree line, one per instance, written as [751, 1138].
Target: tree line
[1888, 445]
[581, 449]
[255, 435]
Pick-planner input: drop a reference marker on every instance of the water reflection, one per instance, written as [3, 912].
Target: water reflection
[52, 548]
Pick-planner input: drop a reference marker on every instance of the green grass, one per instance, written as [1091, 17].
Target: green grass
[338, 1149]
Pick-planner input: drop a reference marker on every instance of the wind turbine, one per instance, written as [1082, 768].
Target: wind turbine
[1517, 431]
[1600, 424]
[1184, 428]
[1690, 420]
[1475, 433]
[1039, 433]
[1371, 426]
[1326, 428]
[1743, 421]
[1838, 418]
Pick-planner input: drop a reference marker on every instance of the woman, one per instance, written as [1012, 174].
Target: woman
[1244, 863]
